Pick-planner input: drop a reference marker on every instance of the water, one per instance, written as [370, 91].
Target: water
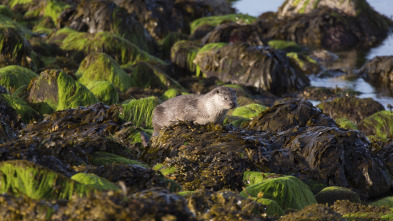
[257, 7]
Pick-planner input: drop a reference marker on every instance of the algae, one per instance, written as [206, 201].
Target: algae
[139, 112]
[105, 158]
[104, 91]
[170, 93]
[331, 194]
[249, 110]
[379, 124]
[24, 111]
[94, 181]
[253, 177]
[13, 77]
[215, 20]
[346, 124]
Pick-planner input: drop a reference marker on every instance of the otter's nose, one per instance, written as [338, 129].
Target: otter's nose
[233, 104]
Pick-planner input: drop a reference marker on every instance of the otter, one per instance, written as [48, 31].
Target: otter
[198, 109]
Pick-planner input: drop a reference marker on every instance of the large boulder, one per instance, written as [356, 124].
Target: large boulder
[379, 72]
[352, 108]
[264, 69]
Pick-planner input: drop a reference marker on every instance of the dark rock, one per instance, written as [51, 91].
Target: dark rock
[352, 108]
[324, 93]
[10, 123]
[98, 16]
[183, 54]
[379, 72]
[293, 113]
[262, 68]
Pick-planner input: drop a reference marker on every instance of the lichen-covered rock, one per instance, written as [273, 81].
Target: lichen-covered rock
[249, 110]
[328, 28]
[104, 91]
[60, 91]
[140, 112]
[205, 156]
[288, 191]
[102, 67]
[14, 48]
[353, 108]
[264, 69]
[379, 125]
[290, 114]
[13, 77]
[120, 49]
[331, 194]
[354, 211]
[224, 205]
[378, 72]
[98, 16]
[94, 181]
[37, 182]
[314, 212]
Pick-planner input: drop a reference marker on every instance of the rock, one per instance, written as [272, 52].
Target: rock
[323, 93]
[249, 110]
[378, 72]
[139, 112]
[331, 194]
[379, 125]
[183, 54]
[80, 44]
[288, 191]
[386, 201]
[224, 205]
[13, 77]
[14, 48]
[346, 124]
[60, 91]
[26, 113]
[10, 123]
[102, 67]
[328, 28]
[360, 211]
[104, 91]
[37, 182]
[99, 16]
[168, 42]
[352, 108]
[314, 212]
[290, 114]
[264, 69]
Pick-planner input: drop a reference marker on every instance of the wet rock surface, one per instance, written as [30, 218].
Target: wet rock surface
[378, 71]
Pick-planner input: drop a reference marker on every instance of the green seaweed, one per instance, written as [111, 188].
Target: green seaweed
[25, 112]
[249, 110]
[206, 48]
[288, 191]
[105, 158]
[13, 77]
[104, 91]
[21, 177]
[346, 124]
[272, 207]
[386, 201]
[379, 124]
[333, 193]
[215, 20]
[284, 45]
[94, 181]
[170, 93]
[139, 112]
[254, 177]
[54, 8]
[72, 94]
[102, 67]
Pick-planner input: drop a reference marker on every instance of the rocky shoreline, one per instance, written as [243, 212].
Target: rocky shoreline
[79, 81]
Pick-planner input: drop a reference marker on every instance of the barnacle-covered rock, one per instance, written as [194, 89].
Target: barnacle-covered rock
[262, 68]
[352, 108]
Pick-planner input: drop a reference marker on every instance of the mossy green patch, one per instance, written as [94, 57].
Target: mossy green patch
[272, 207]
[249, 111]
[122, 50]
[12, 77]
[346, 124]
[255, 177]
[94, 181]
[25, 112]
[102, 67]
[215, 20]
[386, 201]
[379, 124]
[288, 191]
[54, 8]
[139, 112]
[333, 193]
[105, 158]
[37, 182]
[284, 45]
[170, 93]
[104, 91]
[164, 170]
[72, 94]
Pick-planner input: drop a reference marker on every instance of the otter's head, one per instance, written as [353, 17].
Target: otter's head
[224, 97]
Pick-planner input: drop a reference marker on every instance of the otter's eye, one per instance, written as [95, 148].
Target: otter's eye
[226, 98]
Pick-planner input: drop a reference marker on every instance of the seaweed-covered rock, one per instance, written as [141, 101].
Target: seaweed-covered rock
[140, 112]
[249, 110]
[14, 48]
[37, 182]
[386, 201]
[81, 43]
[224, 205]
[60, 91]
[102, 67]
[352, 108]
[338, 157]
[12, 77]
[378, 71]
[104, 91]
[205, 156]
[314, 212]
[379, 125]
[331, 194]
[328, 27]
[98, 16]
[346, 124]
[25, 113]
[356, 211]
[255, 177]
[183, 54]
[290, 114]
[264, 69]
[288, 191]
[94, 181]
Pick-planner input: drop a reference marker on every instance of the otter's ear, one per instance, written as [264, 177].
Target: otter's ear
[217, 91]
